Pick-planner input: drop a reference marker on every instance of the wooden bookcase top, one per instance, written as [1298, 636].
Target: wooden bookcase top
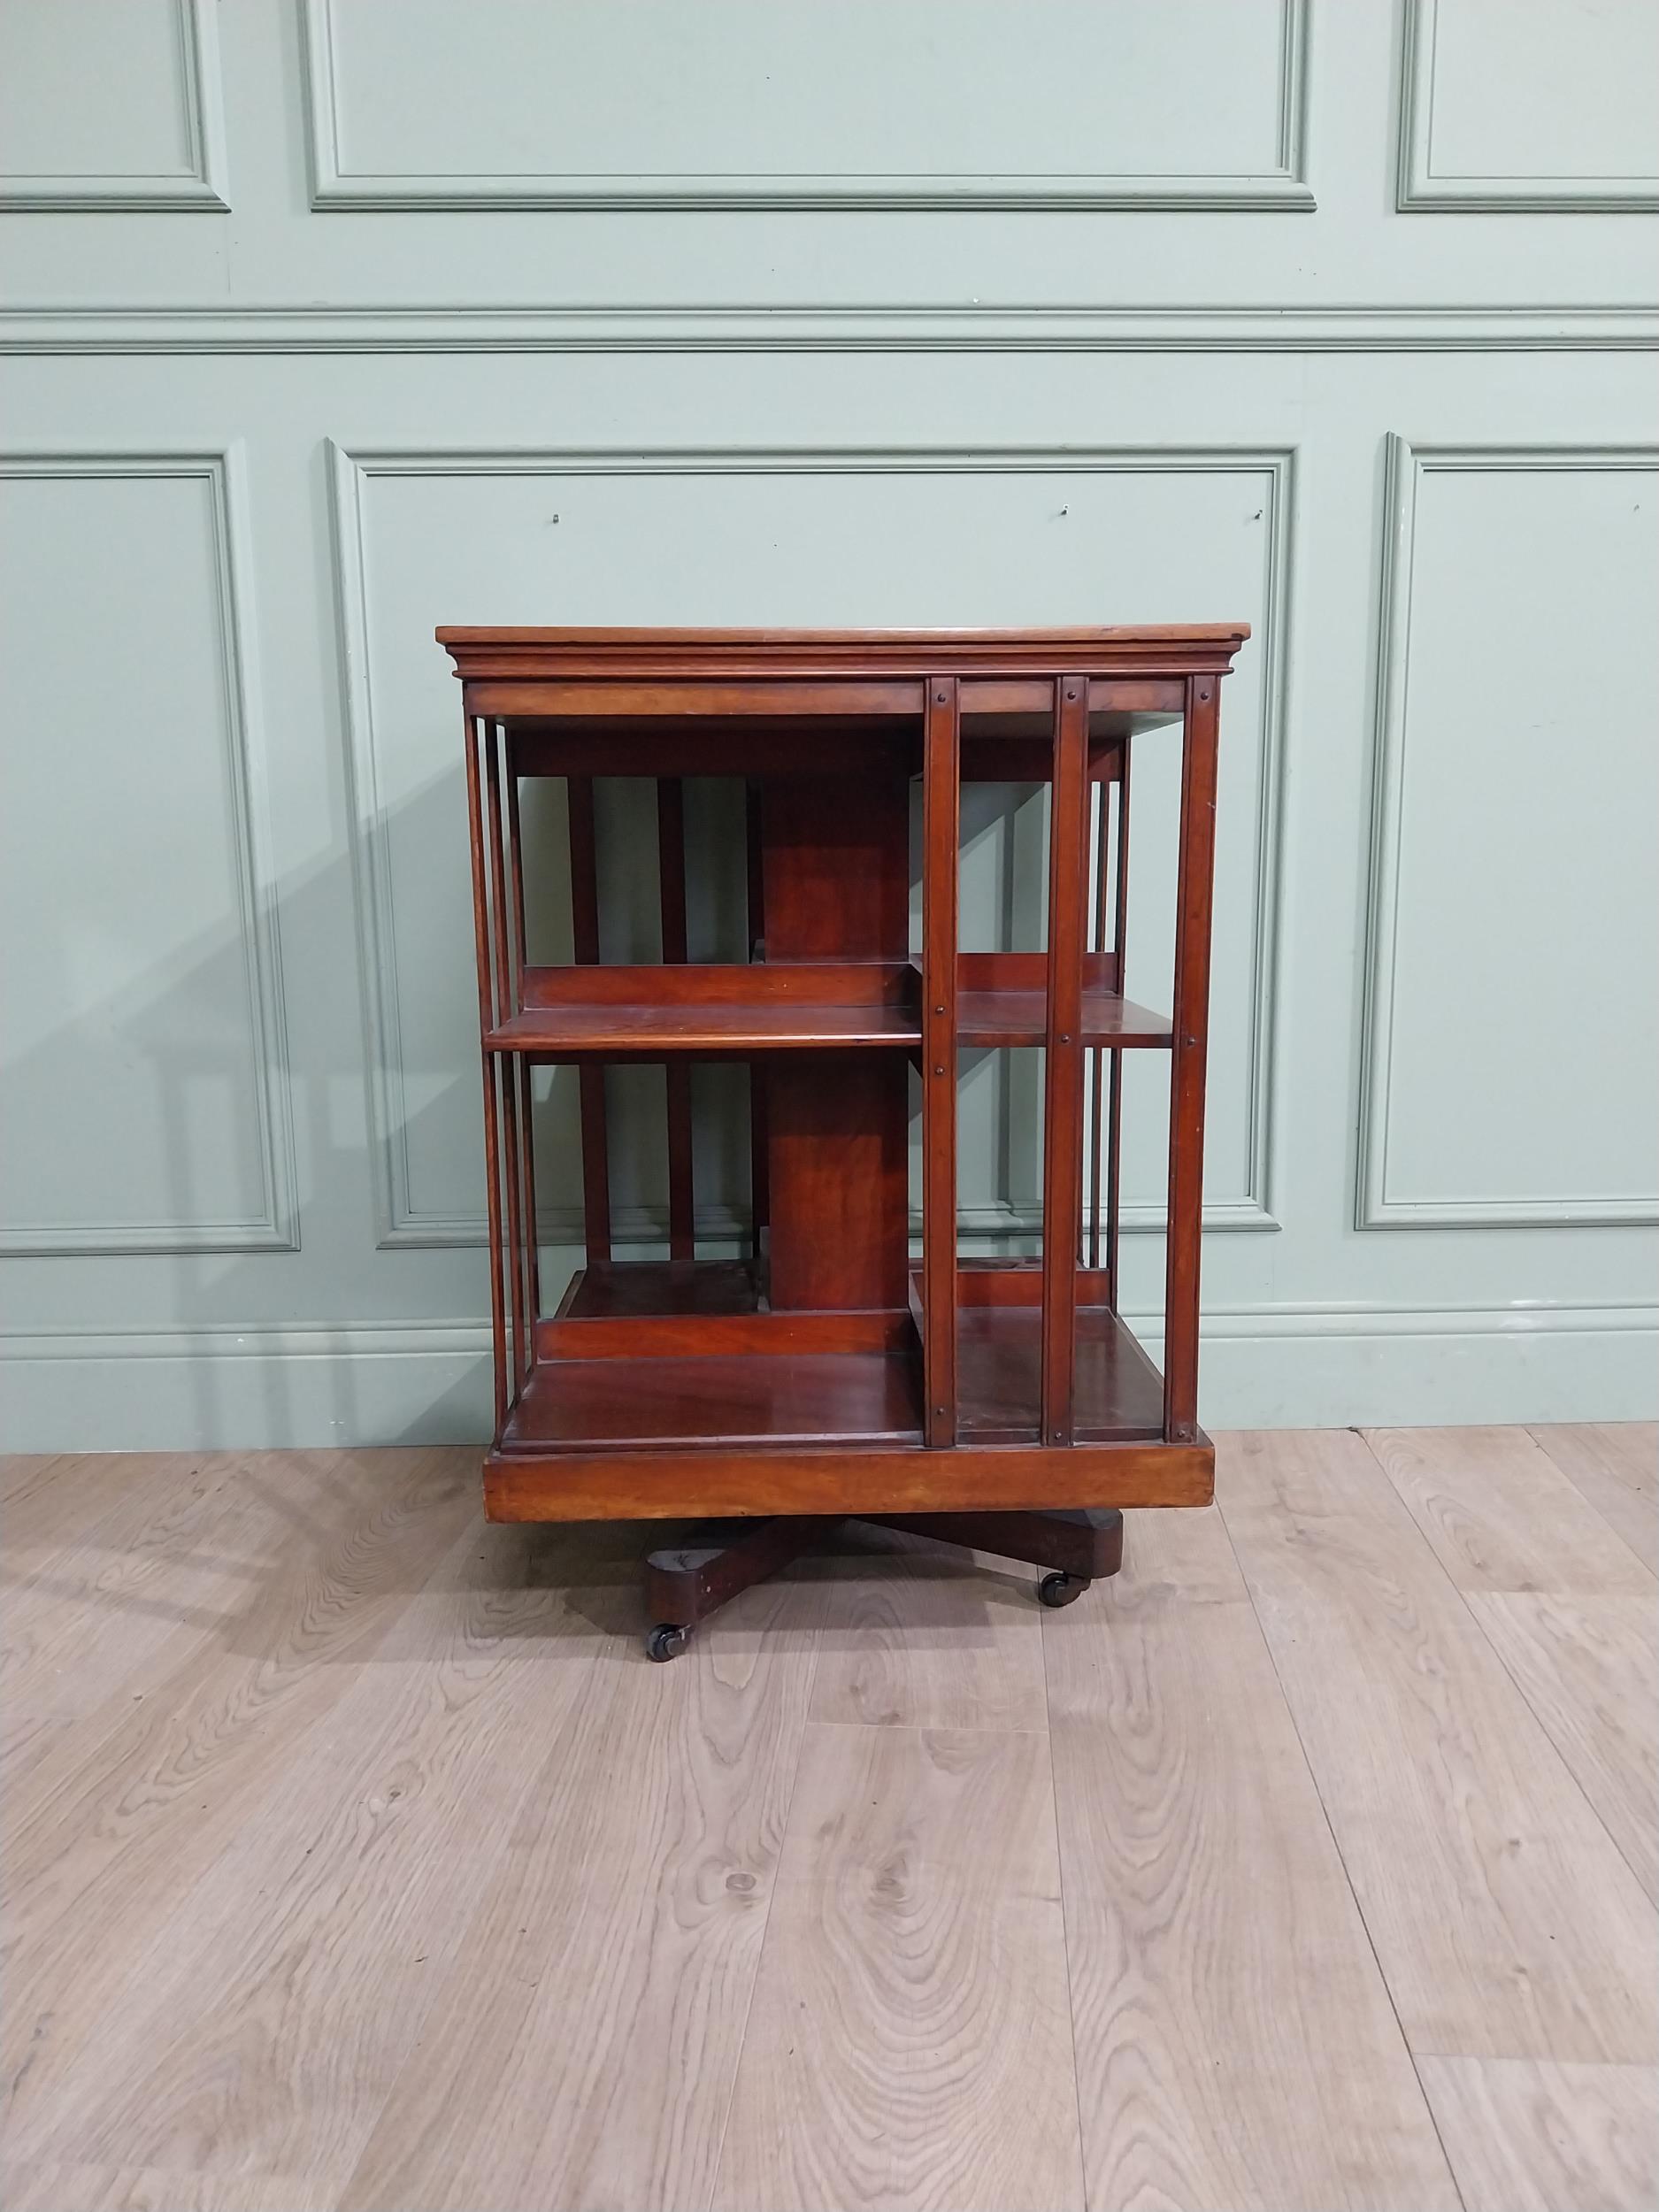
[1153, 649]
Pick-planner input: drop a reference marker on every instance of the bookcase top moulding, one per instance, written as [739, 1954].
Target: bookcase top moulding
[1159, 649]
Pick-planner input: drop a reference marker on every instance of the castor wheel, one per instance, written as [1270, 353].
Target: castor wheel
[665, 1641]
[1062, 1589]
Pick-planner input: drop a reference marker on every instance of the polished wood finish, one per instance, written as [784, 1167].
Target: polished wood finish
[868, 1478]
[942, 840]
[1184, 1242]
[823, 1376]
[705, 1568]
[1087, 1544]
[1062, 1060]
[356, 1858]
[584, 873]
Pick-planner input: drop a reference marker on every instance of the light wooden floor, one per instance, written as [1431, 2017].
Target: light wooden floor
[356, 1857]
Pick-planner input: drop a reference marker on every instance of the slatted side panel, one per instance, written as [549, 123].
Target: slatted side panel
[506, 1077]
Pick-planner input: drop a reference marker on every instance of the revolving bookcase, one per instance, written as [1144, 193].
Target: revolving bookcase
[832, 1371]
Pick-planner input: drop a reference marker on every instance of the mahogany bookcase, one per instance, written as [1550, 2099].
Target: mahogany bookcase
[830, 1372]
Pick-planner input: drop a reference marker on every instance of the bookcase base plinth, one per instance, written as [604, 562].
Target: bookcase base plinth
[869, 1481]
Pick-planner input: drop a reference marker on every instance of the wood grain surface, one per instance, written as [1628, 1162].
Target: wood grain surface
[1505, 1919]
[1614, 1463]
[1589, 1668]
[356, 1857]
[1502, 1518]
[1217, 1954]
[1524, 2136]
[910, 2042]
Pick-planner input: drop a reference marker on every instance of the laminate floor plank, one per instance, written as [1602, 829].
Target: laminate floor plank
[21, 1472]
[355, 1857]
[910, 2044]
[32, 2188]
[1613, 1463]
[916, 1635]
[89, 1596]
[1504, 1918]
[262, 2025]
[25, 1738]
[592, 2014]
[1589, 1668]
[1527, 2137]
[1502, 1515]
[1235, 2044]
[133, 1803]
[62, 1498]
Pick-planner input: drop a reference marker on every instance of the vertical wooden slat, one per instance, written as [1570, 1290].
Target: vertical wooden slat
[1115, 1101]
[486, 1022]
[671, 872]
[507, 1001]
[756, 932]
[521, 1070]
[1187, 1072]
[1062, 1086]
[941, 801]
[591, 1076]
[1101, 793]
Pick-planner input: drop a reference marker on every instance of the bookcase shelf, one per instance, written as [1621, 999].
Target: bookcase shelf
[831, 1371]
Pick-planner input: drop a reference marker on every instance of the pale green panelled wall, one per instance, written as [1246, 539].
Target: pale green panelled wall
[327, 322]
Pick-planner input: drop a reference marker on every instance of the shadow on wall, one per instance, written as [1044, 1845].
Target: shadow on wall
[386, 1183]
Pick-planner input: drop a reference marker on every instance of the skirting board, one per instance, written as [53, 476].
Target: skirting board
[422, 1382]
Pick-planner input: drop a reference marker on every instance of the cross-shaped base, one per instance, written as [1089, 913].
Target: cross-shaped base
[686, 1583]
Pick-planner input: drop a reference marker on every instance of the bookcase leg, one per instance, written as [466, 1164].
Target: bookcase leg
[687, 1582]
[1078, 1546]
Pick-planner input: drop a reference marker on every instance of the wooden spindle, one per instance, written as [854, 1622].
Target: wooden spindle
[671, 873]
[521, 1067]
[1062, 1085]
[941, 805]
[507, 1000]
[487, 1019]
[1115, 1099]
[1193, 901]
[591, 1074]
[758, 1201]
[1103, 791]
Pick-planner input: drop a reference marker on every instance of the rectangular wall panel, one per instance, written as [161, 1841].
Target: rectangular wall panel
[144, 1095]
[110, 103]
[734, 537]
[865, 103]
[1511, 1064]
[1530, 104]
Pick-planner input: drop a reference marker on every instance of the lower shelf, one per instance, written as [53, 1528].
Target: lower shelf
[1118, 1393]
[683, 1358]
[726, 1401]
